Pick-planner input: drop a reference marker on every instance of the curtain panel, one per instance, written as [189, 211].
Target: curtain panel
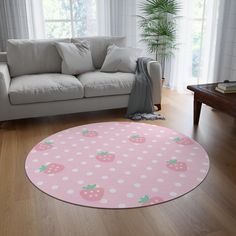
[226, 55]
[35, 19]
[13, 21]
[117, 18]
[180, 67]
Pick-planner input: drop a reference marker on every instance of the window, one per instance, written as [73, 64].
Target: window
[69, 18]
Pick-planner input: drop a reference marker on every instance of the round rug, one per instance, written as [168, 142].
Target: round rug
[117, 165]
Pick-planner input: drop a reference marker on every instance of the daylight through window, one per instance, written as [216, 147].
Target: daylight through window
[70, 18]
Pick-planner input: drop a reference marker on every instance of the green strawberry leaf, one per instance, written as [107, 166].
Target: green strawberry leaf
[172, 161]
[90, 186]
[42, 168]
[177, 139]
[103, 153]
[85, 131]
[49, 142]
[144, 199]
[135, 136]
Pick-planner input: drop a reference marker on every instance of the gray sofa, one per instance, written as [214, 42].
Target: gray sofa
[31, 83]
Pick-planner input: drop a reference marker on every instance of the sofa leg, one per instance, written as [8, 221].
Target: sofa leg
[157, 107]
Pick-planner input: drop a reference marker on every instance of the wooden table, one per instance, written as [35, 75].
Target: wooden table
[206, 93]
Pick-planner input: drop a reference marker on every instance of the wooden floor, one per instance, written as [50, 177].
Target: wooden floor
[208, 210]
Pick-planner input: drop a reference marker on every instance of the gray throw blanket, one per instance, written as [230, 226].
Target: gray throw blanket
[140, 102]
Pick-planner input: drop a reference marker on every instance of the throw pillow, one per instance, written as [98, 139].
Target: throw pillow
[120, 59]
[76, 57]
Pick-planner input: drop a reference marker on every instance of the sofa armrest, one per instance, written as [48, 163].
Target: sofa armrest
[3, 57]
[4, 79]
[154, 70]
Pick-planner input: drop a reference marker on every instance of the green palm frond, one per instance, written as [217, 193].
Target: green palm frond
[158, 25]
[162, 6]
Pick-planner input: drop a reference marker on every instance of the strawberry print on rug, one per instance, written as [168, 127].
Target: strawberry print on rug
[117, 165]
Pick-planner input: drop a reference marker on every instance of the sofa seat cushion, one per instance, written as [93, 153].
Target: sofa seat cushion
[44, 88]
[98, 83]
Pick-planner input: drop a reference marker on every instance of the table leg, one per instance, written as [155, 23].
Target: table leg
[197, 111]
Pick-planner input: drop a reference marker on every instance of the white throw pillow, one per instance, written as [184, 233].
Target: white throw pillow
[76, 57]
[120, 59]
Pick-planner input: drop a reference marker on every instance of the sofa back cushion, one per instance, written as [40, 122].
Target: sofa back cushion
[98, 47]
[121, 59]
[76, 57]
[33, 56]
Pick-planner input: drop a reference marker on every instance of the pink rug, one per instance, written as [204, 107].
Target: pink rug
[117, 165]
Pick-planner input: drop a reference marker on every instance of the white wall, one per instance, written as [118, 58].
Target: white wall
[227, 65]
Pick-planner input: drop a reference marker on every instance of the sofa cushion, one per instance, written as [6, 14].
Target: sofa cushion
[33, 56]
[120, 59]
[98, 46]
[76, 57]
[44, 88]
[98, 83]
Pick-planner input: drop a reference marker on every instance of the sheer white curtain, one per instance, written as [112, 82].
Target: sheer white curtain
[117, 18]
[104, 17]
[20, 19]
[13, 21]
[180, 67]
[35, 19]
[226, 54]
[211, 40]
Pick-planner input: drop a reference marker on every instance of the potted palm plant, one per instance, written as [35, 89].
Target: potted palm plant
[158, 27]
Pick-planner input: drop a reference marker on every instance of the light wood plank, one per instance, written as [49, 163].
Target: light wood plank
[208, 210]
